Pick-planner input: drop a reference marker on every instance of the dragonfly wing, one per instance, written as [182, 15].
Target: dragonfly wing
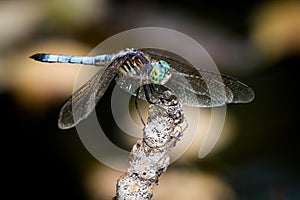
[84, 100]
[179, 82]
[131, 85]
[209, 89]
[235, 90]
[178, 63]
[241, 93]
[197, 87]
[187, 95]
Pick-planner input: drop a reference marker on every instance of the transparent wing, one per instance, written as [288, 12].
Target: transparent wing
[84, 100]
[192, 94]
[200, 88]
[206, 89]
[129, 84]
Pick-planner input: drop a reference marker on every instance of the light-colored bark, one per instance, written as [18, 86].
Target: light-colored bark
[150, 156]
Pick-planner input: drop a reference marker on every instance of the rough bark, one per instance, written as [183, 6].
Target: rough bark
[150, 156]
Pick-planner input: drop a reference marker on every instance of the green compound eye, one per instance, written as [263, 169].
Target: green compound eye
[164, 64]
[158, 71]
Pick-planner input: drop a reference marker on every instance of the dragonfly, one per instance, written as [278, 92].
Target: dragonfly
[145, 73]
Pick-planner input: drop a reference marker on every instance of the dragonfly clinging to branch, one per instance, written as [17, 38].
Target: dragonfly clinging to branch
[144, 73]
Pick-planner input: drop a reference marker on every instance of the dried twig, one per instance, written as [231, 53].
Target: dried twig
[149, 157]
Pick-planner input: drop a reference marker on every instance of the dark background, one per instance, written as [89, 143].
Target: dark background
[255, 41]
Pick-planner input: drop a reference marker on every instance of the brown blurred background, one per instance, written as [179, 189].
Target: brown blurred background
[255, 41]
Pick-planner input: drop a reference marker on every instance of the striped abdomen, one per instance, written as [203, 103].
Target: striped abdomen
[86, 60]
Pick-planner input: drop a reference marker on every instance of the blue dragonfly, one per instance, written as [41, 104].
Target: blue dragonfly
[145, 73]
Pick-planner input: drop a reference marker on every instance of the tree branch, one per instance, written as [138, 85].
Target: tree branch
[150, 156]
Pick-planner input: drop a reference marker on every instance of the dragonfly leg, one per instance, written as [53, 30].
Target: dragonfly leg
[157, 94]
[147, 88]
[154, 92]
[137, 106]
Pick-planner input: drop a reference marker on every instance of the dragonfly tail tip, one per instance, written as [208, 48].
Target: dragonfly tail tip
[38, 56]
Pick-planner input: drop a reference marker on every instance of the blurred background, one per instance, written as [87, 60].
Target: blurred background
[257, 42]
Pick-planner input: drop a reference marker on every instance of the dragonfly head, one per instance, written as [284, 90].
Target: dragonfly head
[159, 73]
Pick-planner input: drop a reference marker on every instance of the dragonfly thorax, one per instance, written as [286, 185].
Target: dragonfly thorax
[133, 67]
[159, 73]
